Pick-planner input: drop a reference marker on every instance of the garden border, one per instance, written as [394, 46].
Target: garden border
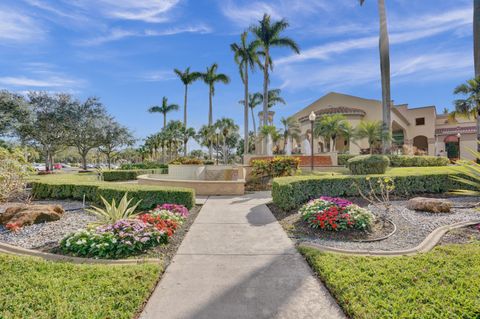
[426, 245]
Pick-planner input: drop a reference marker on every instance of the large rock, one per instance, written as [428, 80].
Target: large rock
[432, 205]
[22, 215]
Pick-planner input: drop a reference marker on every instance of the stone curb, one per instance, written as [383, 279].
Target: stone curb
[425, 246]
[18, 251]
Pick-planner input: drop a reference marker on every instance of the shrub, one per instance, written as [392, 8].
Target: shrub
[343, 158]
[368, 164]
[13, 170]
[404, 160]
[144, 165]
[113, 213]
[128, 175]
[186, 161]
[121, 239]
[275, 167]
[328, 213]
[291, 192]
[150, 196]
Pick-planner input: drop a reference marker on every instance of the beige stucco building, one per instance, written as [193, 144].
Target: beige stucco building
[421, 127]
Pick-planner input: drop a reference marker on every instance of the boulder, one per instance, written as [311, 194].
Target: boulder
[431, 205]
[22, 215]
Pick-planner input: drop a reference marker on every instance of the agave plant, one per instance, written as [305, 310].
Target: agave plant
[470, 176]
[113, 213]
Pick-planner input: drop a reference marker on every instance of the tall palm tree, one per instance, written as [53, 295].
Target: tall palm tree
[206, 137]
[330, 127]
[384, 47]
[254, 100]
[291, 129]
[226, 126]
[246, 56]
[476, 36]
[469, 105]
[372, 131]
[211, 77]
[164, 109]
[269, 35]
[187, 78]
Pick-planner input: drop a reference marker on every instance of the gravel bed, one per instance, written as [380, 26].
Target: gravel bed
[412, 226]
[39, 235]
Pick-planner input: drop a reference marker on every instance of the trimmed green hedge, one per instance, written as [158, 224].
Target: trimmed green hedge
[404, 160]
[368, 164]
[144, 165]
[129, 175]
[150, 195]
[291, 192]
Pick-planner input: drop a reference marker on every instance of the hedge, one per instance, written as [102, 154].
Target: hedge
[368, 164]
[128, 175]
[404, 160]
[144, 165]
[291, 192]
[150, 195]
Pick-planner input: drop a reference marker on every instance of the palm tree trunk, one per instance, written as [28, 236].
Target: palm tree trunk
[210, 118]
[245, 113]
[385, 74]
[164, 120]
[254, 125]
[476, 55]
[265, 97]
[185, 107]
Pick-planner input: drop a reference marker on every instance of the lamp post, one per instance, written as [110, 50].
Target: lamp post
[217, 132]
[312, 118]
[458, 137]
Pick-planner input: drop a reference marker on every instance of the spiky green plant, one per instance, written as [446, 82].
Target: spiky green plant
[469, 176]
[113, 213]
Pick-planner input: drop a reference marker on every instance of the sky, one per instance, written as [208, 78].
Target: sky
[124, 51]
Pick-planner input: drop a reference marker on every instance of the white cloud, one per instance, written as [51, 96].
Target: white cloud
[18, 27]
[157, 76]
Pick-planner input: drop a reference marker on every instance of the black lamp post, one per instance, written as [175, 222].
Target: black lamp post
[312, 118]
[459, 136]
[217, 131]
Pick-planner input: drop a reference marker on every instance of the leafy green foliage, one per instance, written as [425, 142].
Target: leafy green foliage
[404, 160]
[65, 290]
[275, 167]
[13, 171]
[441, 284]
[130, 174]
[186, 161]
[143, 165]
[368, 164]
[113, 212]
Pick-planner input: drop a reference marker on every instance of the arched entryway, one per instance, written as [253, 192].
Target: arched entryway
[421, 143]
[452, 146]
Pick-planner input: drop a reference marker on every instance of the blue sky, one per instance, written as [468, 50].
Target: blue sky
[124, 51]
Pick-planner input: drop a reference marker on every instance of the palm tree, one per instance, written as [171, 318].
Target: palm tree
[270, 130]
[175, 136]
[246, 56]
[372, 131]
[187, 78]
[269, 35]
[291, 129]
[476, 35]
[187, 134]
[330, 127]
[384, 47]
[164, 109]
[206, 137]
[210, 78]
[227, 127]
[254, 100]
[469, 106]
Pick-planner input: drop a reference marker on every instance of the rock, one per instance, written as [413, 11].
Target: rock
[31, 214]
[432, 205]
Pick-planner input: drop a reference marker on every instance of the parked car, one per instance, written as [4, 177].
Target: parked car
[39, 167]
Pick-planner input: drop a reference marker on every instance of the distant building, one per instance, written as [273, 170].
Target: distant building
[428, 132]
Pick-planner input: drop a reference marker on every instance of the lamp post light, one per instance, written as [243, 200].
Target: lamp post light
[458, 137]
[312, 118]
[217, 132]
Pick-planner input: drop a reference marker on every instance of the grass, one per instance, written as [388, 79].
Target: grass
[443, 283]
[392, 171]
[67, 177]
[34, 288]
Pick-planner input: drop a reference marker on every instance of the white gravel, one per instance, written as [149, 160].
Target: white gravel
[412, 226]
[38, 235]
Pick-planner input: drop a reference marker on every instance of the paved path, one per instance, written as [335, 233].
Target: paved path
[237, 262]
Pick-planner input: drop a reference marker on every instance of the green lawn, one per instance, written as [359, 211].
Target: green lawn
[66, 177]
[398, 171]
[34, 288]
[443, 283]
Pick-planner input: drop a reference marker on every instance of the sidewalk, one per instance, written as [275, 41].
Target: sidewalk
[237, 262]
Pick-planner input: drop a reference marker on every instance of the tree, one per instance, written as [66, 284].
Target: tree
[274, 98]
[469, 105]
[228, 129]
[14, 170]
[174, 137]
[476, 36]
[372, 131]
[85, 123]
[211, 77]
[254, 100]
[113, 137]
[246, 56]
[187, 78]
[46, 127]
[206, 137]
[164, 109]
[272, 131]
[384, 47]
[291, 129]
[13, 111]
[330, 127]
[187, 134]
[269, 35]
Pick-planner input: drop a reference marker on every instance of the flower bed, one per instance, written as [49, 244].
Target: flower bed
[127, 237]
[335, 214]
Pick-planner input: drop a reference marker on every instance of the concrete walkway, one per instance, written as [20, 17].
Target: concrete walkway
[237, 262]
